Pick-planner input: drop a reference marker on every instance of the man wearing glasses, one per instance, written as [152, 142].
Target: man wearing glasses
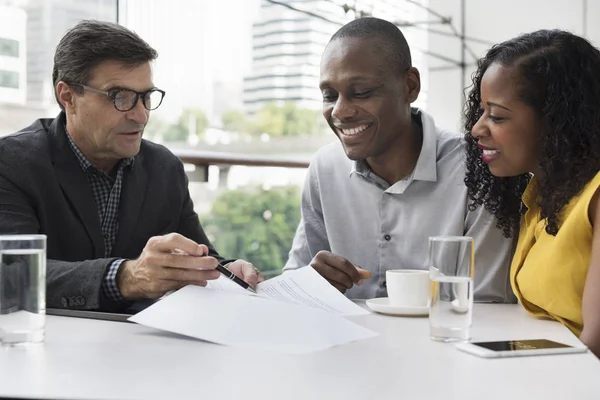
[116, 209]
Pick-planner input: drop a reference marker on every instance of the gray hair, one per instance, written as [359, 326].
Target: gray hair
[91, 43]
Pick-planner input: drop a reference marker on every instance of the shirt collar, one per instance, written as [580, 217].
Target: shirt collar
[530, 195]
[426, 167]
[360, 167]
[85, 164]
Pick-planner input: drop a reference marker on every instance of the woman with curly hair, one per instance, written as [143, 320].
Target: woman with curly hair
[533, 159]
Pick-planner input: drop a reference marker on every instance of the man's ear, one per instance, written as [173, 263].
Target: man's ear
[413, 84]
[66, 96]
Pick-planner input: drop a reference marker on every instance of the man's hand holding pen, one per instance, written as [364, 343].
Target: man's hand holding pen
[171, 262]
[246, 272]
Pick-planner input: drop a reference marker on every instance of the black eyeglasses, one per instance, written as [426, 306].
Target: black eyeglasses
[126, 99]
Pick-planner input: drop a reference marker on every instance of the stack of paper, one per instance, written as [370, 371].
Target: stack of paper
[297, 312]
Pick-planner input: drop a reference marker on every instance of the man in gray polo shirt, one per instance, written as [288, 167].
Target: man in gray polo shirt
[394, 179]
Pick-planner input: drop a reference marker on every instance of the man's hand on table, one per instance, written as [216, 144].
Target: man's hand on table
[338, 271]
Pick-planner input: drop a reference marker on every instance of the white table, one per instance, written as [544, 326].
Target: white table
[91, 359]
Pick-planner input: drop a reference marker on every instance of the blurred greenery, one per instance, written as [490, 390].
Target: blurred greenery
[276, 120]
[235, 121]
[256, 225]
[190, 119]
[156, 127]
[287, 120]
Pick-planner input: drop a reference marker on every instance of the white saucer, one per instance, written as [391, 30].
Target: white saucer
[382, 305]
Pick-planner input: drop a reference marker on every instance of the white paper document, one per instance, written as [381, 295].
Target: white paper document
[303, 286]
[285, 316]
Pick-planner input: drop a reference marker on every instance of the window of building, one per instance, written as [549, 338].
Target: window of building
[9, 79]
[27, 64]
[9, 47]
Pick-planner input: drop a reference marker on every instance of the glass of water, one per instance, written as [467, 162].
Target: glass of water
[451, 270]
[22, 289]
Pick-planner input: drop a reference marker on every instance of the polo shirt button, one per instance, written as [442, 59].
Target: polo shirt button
[387, 237]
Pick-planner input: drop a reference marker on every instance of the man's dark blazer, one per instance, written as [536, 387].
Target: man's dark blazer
[43, 189]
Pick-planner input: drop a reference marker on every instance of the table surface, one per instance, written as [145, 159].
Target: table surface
[93, 359]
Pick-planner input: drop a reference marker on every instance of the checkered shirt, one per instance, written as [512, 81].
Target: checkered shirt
[107, 193]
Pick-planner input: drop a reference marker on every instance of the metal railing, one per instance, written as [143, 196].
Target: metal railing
[204, 159]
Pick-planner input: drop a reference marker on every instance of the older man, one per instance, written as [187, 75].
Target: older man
[116, 209]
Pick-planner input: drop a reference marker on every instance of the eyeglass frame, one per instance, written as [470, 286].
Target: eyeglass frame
[116, 90]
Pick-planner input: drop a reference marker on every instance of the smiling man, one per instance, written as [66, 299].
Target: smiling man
[372, 200]
[116, 209]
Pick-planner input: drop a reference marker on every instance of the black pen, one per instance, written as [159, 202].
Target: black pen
[234, 278]
[224, 271]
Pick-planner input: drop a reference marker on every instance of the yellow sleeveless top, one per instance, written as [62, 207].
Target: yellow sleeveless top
[548, 272]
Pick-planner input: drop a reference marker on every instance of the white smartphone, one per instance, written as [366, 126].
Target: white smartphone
[518, 348]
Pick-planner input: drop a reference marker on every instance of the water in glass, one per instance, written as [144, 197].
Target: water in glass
[22, 296]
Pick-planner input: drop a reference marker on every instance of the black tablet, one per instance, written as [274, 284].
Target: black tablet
[88, 314]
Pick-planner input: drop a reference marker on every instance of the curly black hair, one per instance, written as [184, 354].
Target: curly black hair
[560, 79]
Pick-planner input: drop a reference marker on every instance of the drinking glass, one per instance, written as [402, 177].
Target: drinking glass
[451, 271]
[22, 289]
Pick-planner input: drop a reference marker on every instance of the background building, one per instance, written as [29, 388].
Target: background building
[287, 46]
[13, 55]
[286, 51]
[29, 33]
[47, 22]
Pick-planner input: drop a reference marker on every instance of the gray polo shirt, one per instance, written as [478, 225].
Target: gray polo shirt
[350, 211]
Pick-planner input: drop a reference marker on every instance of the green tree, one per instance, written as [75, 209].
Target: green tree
[191, 119]
[235, 121]
[287, 120]
[156, 127]
[175, 133]
[299, 121]
[269, 120]
[257, 225]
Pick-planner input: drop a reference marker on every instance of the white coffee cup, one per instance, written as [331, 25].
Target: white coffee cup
[408, 287]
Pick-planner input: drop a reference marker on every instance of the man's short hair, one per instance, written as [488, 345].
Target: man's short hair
[91, 43]
[391, 39]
